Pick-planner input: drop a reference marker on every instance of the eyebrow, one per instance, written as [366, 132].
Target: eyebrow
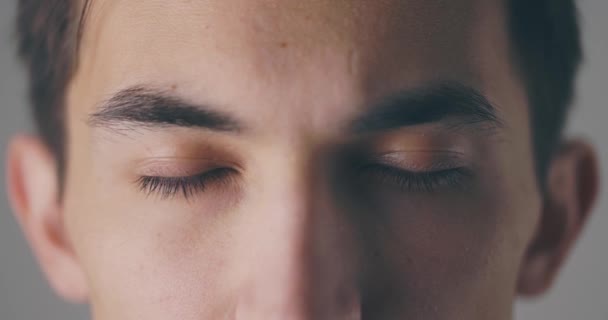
[155, 108]
[455, 101]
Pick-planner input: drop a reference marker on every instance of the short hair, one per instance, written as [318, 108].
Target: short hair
[545, 48]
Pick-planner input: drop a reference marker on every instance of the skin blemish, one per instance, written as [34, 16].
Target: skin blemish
[283, 45]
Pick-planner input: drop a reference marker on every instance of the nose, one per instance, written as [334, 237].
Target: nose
[302, 257]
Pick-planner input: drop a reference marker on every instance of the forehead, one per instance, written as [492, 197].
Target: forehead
[341, 50]
[316, 22]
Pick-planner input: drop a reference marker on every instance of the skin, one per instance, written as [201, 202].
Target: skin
[293, 232]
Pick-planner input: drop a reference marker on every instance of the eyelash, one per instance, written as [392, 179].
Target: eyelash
[169, 187]
[409, 181]
[406, 181]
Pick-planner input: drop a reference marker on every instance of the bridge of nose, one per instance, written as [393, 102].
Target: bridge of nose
[302, 259]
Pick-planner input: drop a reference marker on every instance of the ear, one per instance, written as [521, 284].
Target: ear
[33, 188]
[571, 189]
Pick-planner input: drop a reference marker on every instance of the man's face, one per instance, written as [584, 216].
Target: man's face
[251, 159]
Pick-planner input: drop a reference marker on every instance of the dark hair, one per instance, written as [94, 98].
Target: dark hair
[545, 46]
[48, 33]
[547, 49]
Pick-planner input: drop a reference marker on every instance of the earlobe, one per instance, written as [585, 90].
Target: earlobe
[34, 195]
[571, 189]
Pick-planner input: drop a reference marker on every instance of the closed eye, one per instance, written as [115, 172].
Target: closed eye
[188, 186]
[379, 174]
[414, 181]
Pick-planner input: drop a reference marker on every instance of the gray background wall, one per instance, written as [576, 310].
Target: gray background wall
[582, 290]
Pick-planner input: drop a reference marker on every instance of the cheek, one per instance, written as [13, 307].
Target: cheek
[151, 261]
[457, 250]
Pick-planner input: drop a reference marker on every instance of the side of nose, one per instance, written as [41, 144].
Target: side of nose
[302, 256]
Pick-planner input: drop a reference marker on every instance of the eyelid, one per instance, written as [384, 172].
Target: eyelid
[423, 160]
[414, 182]
[188, 186]
[181, 167]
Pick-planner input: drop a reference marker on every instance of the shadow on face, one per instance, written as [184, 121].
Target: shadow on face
[296, 160]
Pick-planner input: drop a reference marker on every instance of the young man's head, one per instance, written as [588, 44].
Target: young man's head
[257, 159]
